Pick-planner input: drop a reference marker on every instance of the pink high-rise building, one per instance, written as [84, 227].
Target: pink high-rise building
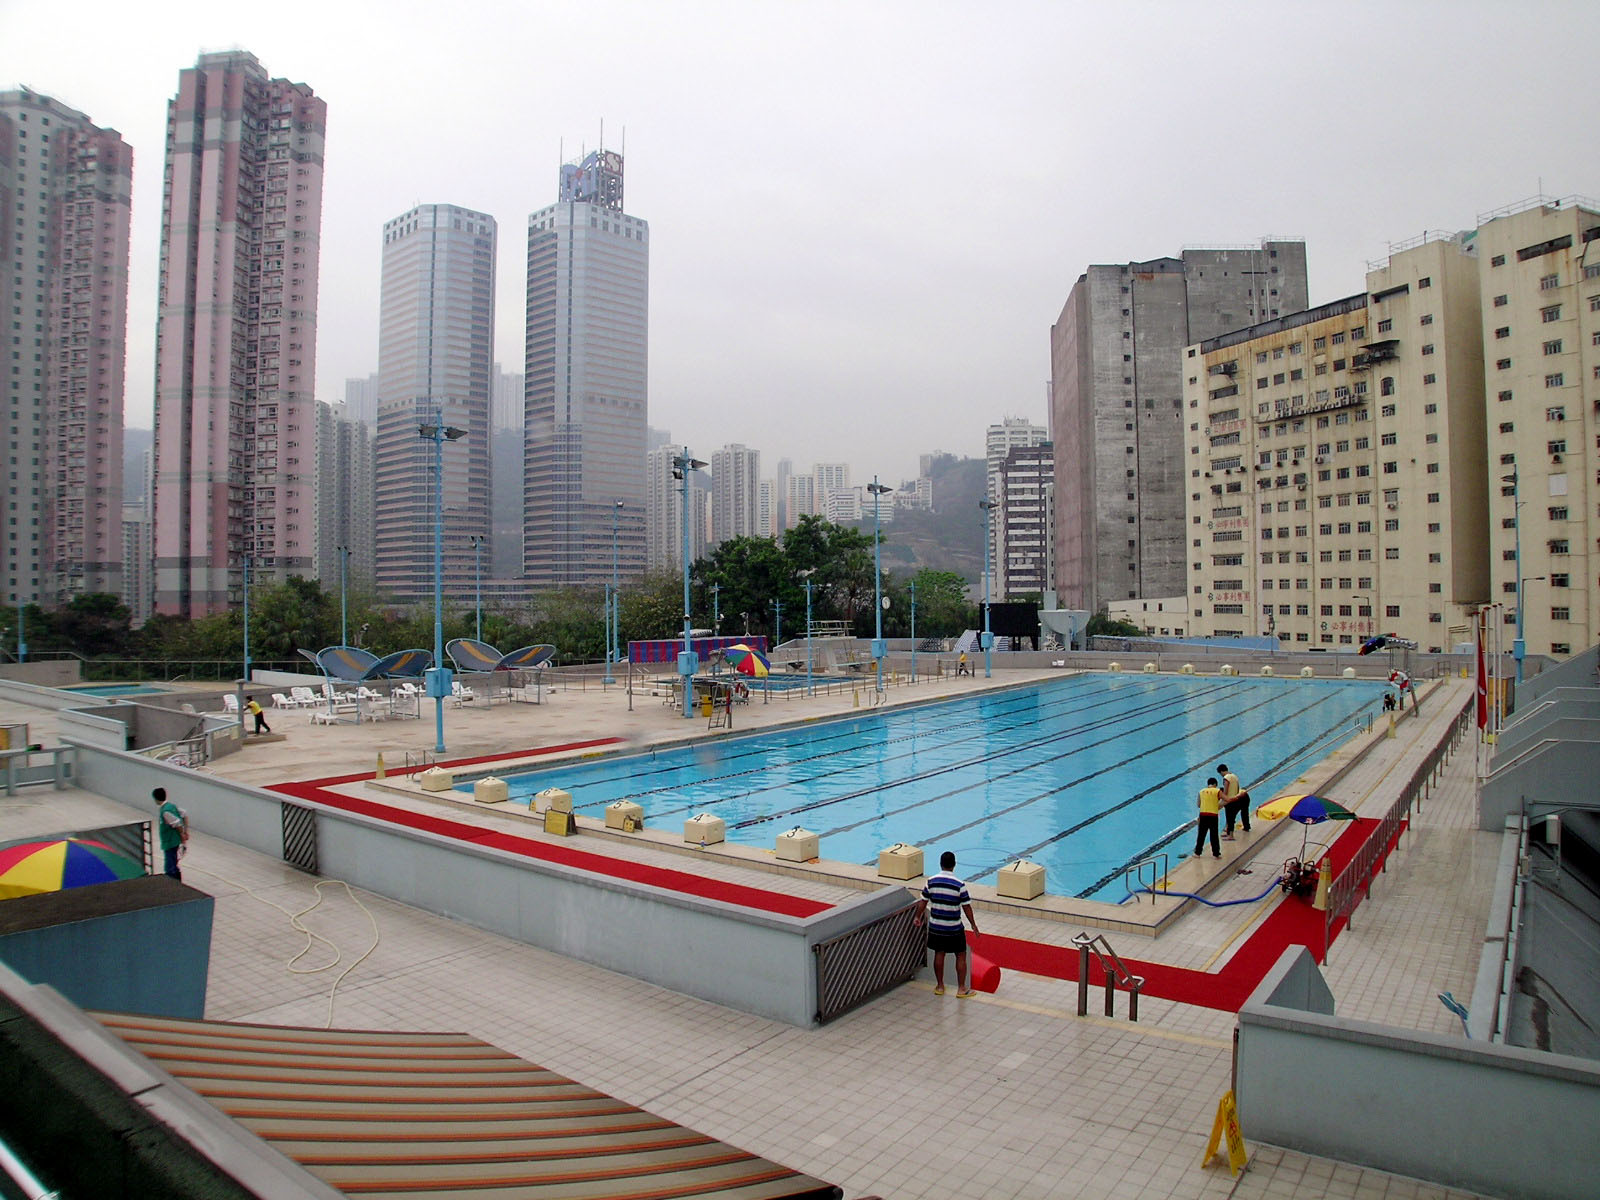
[236, 334]
[64, 201]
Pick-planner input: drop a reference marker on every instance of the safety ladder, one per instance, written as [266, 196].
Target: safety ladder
[1115, 973]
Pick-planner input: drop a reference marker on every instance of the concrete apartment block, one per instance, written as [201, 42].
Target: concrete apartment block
[1021, 529]
[65, 185]
[345, 487]
[435, 362]
[1332, 493]
[735, 488]
[1116, 355]
[585, 412]
[664, 511]
[1539, 274]
[236, 334]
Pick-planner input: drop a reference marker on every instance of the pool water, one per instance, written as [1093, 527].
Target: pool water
[1084, 775]
[115, 689]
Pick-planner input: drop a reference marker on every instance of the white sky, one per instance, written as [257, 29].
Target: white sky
[864, 216]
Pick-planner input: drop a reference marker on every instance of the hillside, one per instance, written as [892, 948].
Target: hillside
[950, 538]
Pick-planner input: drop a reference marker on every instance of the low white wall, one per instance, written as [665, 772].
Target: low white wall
[1494, 1119]
[749, 960]
[87, 728]
[1544, 771]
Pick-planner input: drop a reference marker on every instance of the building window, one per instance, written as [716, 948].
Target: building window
[1505, 396]
[1385, 325]
[1425, 282]
[1559, 546]
[1561, 614]
[1386, 411]
[1391, 610]
[1507, 427]
[1502, 364]
[1430, 378]
[1561, 648]
[1499, 260]
[1560, 579]
[1548, 283]
[1555, 380]
[1553, 313]
[1426, 319]
[1558, 514]
[1555, 412]
[1553, 346]
[1503, 332]
[1501, 300]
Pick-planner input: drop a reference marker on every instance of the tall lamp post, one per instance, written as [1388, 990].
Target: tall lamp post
[716, 610]
[913, 631]
[806, 575]
[613, 607]
[477, 584]
[22, 639]
[1518, 647]
[878, 646]
[438, 675]
[246, 625]
[682, 465]
[344, 582]
[988, 506]
[777, 623]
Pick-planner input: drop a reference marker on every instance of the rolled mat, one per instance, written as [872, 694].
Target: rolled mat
[985, 975]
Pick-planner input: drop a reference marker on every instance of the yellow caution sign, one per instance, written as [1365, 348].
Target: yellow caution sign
[1227, 1126]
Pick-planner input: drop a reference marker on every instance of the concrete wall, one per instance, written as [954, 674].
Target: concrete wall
[1493, 1119]
[50, 672]
[109, 732]
[1534, 720]
[1546, 771]
[752, 961]
[1577, 671]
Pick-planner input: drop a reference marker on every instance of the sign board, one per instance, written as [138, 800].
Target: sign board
[1226, 1126]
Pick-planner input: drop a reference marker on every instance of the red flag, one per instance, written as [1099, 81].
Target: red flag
[1483, 679]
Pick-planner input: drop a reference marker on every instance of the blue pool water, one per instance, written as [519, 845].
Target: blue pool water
[116, 689]
[1084, 775]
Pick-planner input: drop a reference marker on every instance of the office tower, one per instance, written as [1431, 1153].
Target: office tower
[799, 499]
[361, 400]
[735, 481]
[1021, 535]
[435, 360]
[507, 390]
[998, 441]
[845, 506]
[664, 512]
[345, 489]
[1336, 463]
[829, 477]
[767, 509]
[138, 574]
[585, 413]
[236, 334]
[64, 204]
[1117, 421]
[780, 494]
[1539, 278]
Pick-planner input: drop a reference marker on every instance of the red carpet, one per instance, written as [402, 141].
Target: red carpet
[683, 882]
[1292, 923]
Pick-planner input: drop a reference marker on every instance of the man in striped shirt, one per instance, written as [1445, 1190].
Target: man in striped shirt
[944, 899]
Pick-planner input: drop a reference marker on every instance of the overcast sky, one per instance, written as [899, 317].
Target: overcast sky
[864, 217]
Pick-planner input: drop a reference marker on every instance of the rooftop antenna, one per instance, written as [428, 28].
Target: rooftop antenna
[602, 135]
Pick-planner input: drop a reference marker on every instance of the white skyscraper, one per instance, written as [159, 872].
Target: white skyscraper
[435, 357]
[585, 413]
[735, 483]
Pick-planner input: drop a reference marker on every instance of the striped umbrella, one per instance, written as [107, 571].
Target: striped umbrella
[50, 866]
[746, 661]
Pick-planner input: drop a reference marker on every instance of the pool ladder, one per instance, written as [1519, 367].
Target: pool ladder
[1115, 972]
[1159, 867]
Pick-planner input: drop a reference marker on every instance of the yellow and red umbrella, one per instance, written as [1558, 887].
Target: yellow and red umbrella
[746, 661]
[50, 866]
[1305, 808]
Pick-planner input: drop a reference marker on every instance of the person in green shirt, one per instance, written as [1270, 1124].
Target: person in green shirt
[173, 825]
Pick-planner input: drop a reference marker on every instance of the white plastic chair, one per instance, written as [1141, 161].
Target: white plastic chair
[230, 704]
[279, 700]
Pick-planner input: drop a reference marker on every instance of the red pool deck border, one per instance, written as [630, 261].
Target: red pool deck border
[1292, 922]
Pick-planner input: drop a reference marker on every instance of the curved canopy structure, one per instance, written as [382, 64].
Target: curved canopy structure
[402, 664]
[349, 663]
[470, 655]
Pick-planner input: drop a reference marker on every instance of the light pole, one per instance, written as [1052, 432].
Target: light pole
[613, 644]
[913, 631]
[246, 625]
[777, 623]
[682, 465]
[716, 610]
[477, 584]
[988, 556]
[806, 575]
[878, 647]
[438, 675]
[22, 640]
[344, 610]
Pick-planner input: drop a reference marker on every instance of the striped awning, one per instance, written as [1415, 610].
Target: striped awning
[406, 1114]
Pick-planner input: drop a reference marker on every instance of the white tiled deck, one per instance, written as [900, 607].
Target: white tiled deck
[1009, 1095]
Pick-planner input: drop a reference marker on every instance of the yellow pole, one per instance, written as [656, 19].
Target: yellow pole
[378, 774]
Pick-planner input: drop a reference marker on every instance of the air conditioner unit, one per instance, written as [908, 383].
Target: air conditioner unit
[1320, 460]
[1391, 507]
[1555, 458]
[1300, 486]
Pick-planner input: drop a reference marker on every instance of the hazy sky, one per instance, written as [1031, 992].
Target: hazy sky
[864, 217]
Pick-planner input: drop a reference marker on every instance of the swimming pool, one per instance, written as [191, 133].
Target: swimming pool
[115, 689]
[1083, 775]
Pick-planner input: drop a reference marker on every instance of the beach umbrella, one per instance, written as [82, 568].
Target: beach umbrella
[746, 661]
[50, 866]
[1305, 808]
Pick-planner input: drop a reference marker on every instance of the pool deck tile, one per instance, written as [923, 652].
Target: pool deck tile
[1047, 1104]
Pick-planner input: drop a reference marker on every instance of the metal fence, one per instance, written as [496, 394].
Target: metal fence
[1354, 883]
[867, 961]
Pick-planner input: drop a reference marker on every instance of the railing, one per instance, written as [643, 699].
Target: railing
[867, 961]
[18, 769]
[1113, 969]
[1159, 869]
[1354, 883]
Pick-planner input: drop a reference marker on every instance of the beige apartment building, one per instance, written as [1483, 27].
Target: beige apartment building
[1334, 459]
[1539, 273]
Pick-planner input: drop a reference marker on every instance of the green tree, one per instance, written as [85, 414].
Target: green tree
[293, 615]
[96, 625]
[1101, 625]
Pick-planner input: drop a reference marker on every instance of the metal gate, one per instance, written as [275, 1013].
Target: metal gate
[867, 961]
[300, 837]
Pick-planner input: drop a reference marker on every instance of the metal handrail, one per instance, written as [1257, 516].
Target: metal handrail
[1160, 867]
[1115, 972]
